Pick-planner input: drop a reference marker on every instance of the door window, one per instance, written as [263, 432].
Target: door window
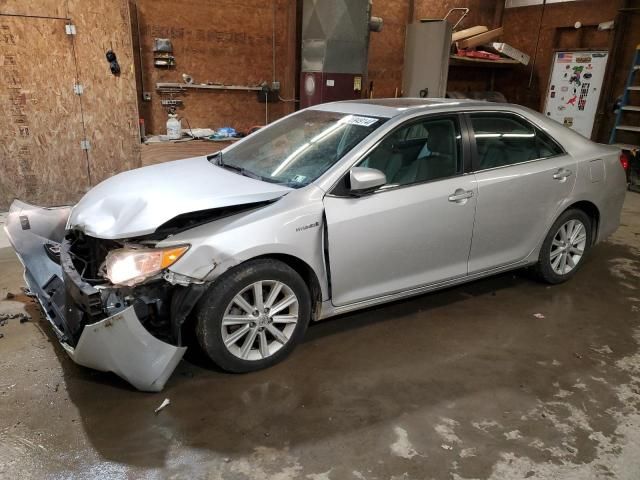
[503, 139]
[419, 152]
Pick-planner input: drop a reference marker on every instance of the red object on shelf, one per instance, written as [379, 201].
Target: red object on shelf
[478, 54]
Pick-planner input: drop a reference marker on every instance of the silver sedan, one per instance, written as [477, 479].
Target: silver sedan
[329, 210]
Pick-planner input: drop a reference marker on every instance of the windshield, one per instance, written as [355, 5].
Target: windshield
[300, 148]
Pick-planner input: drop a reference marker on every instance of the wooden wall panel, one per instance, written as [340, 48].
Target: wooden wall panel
[153, 153]
[49, 167]
[109, 102]
[40, 123]
[386, 48]
[224, 41]
[42, 8]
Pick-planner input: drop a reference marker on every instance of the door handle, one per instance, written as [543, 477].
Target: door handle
[562, 174]
[460, 195]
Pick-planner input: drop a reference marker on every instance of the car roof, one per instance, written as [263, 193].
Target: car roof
[391, 107]
[407, 107]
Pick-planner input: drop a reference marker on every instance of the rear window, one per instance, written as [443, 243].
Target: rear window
[503, 139]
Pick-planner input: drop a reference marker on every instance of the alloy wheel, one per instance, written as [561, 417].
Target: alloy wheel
[567, 247]
[260, 320]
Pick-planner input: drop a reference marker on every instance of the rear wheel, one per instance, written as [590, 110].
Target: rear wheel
[253, 315]
[564, 247]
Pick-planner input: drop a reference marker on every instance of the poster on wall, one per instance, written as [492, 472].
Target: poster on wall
[574, 88]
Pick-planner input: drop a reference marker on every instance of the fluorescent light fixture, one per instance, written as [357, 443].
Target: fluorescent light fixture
[528, 3]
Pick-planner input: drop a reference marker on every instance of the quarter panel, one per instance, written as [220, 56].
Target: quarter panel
[606, 190]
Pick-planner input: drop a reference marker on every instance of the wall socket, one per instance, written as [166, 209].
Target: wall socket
[275, 86]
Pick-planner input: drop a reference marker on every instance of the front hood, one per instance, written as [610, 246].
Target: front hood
[137, 202]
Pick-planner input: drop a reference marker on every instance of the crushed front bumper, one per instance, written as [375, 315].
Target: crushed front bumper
[118, 343]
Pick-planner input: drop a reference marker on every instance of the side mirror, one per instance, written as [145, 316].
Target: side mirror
[363, 179]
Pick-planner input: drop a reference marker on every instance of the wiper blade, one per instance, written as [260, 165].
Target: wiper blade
[217, 157]
[217, 160]
[286, 183]
[240, 170]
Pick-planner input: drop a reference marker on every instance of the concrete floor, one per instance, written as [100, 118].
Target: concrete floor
[465, 383]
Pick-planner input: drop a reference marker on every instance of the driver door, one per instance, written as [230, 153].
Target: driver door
[415, 230]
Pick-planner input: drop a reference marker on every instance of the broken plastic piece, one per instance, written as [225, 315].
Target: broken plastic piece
[163, 405]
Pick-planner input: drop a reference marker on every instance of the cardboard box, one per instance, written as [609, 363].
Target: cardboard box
[468, 32]
[481, 39]
[511, 52]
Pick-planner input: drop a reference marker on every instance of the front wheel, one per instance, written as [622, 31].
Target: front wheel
[253, 315]
[564, 247]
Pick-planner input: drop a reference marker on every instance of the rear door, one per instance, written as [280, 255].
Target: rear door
[523, 176]
[413, 231]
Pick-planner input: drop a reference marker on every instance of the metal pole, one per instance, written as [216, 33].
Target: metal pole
[535, 56]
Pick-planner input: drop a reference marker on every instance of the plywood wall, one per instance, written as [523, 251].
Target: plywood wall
[109, 102]
[43, 121]
[226, 42]
[386, 48]
[38, 8]
[41, 160]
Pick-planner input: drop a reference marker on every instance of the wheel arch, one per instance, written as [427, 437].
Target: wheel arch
[307, 273]
[592, 211]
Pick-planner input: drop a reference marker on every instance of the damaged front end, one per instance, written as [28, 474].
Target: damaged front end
[132, 331]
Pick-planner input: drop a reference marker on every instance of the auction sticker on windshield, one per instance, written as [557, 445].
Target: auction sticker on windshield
[362, 121]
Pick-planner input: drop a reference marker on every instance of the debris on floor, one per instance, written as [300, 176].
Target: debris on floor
[539, 315]
[4, 317]
[162, 406]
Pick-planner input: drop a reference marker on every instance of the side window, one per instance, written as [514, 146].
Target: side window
[503, 139]
[419, 152]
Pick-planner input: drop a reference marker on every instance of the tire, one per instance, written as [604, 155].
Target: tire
[222, 314]
[550, 267]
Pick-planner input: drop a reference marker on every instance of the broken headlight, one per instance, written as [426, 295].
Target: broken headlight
[130, 266]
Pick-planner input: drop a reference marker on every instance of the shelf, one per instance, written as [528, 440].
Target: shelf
[198, 86]
[628, 128]
[457, 60]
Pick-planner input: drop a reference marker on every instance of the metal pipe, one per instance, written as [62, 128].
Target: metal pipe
[273, 39]
[140, 52]
[535, 56]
